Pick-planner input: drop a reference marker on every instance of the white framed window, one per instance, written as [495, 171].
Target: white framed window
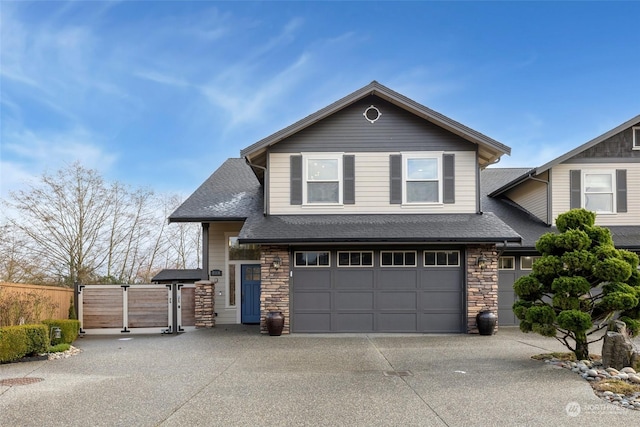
[422, 178]
[312, 259]
[636, 137]
[355, 259]
[526, 262]
[441, 258]
[598, 188]
[506, 263]
[398, 258]
[322, 178]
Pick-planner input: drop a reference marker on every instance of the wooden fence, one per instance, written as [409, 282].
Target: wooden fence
[60, 297]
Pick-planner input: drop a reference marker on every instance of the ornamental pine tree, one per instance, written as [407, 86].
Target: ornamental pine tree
[579, 284]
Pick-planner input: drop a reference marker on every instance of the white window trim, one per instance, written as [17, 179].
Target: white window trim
[535, 257]
[399, 266]
[354, 266]
[636, 141]
[436, 265]
[583, 182]
[295, 259]
[437, 155]
[513, 263]
[321, 156]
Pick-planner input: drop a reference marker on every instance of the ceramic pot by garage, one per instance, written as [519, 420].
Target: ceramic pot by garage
[275, 323]
[486, 321]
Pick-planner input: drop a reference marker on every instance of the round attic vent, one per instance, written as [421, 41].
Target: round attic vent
[372, 114]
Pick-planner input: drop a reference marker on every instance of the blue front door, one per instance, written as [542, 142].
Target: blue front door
[250, 283]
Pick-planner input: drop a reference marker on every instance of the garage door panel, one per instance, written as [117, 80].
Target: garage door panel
[353, 279]
[397, 301]
[312, 279]
[354, 322]
[447, 300]
[440, 322]
[354, 301]
[312, 322]
[397, 322]
[397, 278]
[440, 278]
[506, 298]
[312, 301]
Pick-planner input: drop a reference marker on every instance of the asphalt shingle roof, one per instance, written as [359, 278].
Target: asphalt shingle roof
[178, 275]
[377, 228]
[232, 192]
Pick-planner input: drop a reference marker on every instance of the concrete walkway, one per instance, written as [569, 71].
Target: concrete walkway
[235, 376]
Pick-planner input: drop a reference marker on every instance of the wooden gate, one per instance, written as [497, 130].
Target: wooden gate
[152, 308]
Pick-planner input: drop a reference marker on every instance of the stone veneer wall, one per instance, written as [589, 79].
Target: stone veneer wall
[204, 304]
[482, 285]
[274, 287]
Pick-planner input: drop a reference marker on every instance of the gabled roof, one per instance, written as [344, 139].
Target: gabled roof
[231, 193]
[394, 228]
[565, 157]
[488, 149]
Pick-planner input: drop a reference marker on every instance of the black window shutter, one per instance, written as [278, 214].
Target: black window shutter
[448, 176]
[621, 190]
[296, 180]
[575, 189]
[348, 179]
[395, 175]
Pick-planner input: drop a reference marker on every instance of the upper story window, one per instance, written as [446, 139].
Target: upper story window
[599, 191]
[636, 137]
[422, 179]
[323, 178]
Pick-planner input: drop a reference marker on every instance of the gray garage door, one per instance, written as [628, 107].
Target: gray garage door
[377, 291]
[511, 268]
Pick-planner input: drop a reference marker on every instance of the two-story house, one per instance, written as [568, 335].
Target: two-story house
[602, 175]
[362, 217]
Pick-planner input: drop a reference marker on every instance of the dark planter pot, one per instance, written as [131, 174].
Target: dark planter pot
[486, 321]
[275, 323]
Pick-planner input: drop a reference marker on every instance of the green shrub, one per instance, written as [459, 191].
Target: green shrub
[24, 340]
[575, 219]
[59, 348]
[69, 329]
[612, 270]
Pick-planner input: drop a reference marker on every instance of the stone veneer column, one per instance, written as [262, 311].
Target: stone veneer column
[205, 313]
[482, 285]
[274, 285]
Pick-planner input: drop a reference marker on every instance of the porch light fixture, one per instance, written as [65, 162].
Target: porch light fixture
[482, 262]
[277, 261]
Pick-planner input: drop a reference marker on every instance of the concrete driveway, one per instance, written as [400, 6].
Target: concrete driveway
[235, 376]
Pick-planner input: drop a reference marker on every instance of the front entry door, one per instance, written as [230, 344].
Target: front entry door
[250, 293]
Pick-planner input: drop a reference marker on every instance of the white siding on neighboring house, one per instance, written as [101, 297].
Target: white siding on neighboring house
[218, 247]
[372, 187]
[532, 196]
[560, 187]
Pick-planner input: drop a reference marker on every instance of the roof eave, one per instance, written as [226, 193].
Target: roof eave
[207, 219]
[510, 239]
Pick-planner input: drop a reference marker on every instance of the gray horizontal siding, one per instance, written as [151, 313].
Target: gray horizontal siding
[395, 130]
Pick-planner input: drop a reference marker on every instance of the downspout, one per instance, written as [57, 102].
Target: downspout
[205, 251]
[265, 185]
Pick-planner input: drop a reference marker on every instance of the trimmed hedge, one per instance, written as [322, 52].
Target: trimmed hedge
[69, 329]
[24, 340]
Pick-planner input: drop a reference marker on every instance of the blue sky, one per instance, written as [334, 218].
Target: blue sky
[158, 94]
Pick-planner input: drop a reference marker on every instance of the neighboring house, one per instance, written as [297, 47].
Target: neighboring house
[362, 217]
[602, 175]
